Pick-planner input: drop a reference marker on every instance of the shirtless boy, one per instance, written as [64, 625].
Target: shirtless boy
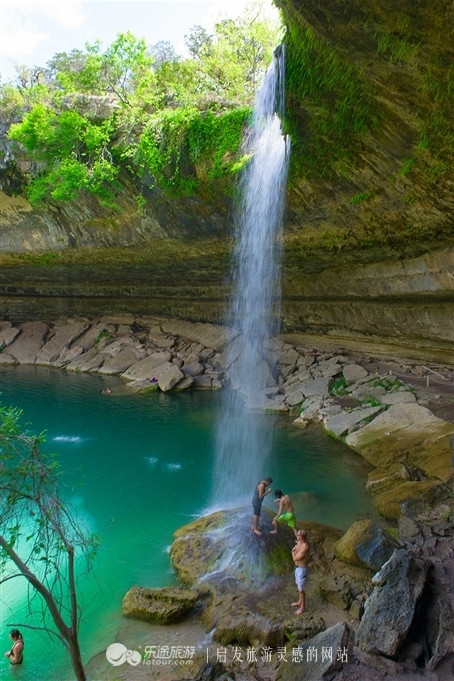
[300, 555]
[285, 513]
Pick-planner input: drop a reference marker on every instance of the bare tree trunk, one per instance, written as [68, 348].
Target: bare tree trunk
[76, 658]
[68, 635]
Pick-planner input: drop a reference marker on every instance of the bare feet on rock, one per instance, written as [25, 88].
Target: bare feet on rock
[300, 611]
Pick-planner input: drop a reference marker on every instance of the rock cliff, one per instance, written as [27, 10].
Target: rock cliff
[369, 231]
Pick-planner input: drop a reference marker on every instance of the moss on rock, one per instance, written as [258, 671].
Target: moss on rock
[161, 606]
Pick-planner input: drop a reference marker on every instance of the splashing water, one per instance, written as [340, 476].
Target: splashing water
[244, 436]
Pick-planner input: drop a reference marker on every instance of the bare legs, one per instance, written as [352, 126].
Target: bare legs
[255, 525]
[300, 603]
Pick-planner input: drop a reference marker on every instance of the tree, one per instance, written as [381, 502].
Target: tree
[127, 65]
[232, 60]
[94, 113]
[73, 154]
[40, 540]
[198, 42]
[163, 52]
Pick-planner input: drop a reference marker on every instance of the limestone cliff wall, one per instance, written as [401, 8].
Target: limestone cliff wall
[369, 244]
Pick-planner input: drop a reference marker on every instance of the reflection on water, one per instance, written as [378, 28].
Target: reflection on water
[137, 467]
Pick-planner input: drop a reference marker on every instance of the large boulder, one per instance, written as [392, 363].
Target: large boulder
[64, 333]
[219, 547]
[158, 605]
[29, 342]
[230, 621]
[389, 610]
[410, 433]
[146, 368]
[365, 544]
[321, 657]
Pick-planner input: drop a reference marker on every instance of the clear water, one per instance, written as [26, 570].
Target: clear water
[137, 467]
[244, 441]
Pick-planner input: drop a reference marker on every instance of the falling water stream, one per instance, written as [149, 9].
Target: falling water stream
[244, 435]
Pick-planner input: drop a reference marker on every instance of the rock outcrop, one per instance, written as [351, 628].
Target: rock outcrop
[390, 609]
[161, 606]
[368, 231]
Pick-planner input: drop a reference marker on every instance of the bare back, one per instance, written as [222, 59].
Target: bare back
[285, 505]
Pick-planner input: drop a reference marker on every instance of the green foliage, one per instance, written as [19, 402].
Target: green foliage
[215, 140]
[388, 383]
[11, 101]
[393, 533]
[338, 103]
[396, 48]
[162, 149]
[173, 122]
[71, 152]
[447, 514]
[361, 198]
[338, 386]
[437, 131]
[101, 335]
[174, 141]
[370, 401]
[407, 165]
[231, 62]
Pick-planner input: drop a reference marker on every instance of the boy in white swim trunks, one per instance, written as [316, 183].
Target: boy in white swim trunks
[300, 555]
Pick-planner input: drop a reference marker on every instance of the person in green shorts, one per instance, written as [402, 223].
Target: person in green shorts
[286, 512]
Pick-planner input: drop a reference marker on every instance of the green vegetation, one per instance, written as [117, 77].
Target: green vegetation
[174, 142]
[395, 48]
[338, 386]
[338, 103]
[174, 123]
[370, 401]
[159, 253]
[361, 198]
[447, 514]
[393, 533]
[102, 334]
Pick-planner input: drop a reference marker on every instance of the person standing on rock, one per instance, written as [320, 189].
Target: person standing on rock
[300, 555]
[257, 500]
[285, 513]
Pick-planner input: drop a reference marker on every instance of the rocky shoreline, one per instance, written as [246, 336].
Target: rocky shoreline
[383, 409]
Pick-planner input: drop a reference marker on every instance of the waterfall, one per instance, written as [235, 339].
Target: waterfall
[244, 433]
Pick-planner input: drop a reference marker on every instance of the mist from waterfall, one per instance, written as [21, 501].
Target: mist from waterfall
[244, 434]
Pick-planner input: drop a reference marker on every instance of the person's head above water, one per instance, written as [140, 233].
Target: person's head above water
[279, 494]
[268, 481]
